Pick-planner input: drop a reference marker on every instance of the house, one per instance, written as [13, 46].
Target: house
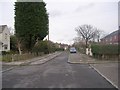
[4, 38]
[60, 45]
[112, 38]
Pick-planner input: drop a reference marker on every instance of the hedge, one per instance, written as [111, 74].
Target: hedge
[105, 49]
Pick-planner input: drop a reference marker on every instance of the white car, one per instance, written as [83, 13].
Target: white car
[73, 50]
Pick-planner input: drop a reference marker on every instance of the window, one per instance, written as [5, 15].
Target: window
[106, 40]
[5, 35]
[5, 46]
[115, 37]
[111, 39]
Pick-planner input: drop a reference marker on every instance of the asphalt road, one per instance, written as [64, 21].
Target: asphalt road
[56, 73]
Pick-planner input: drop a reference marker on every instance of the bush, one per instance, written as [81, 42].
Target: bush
[59, 49]
[42, 46]
[13, 43]
[105, 51]
[16, 57]
[6, 58]
[4, 52]
[46, 47]
[8, 52]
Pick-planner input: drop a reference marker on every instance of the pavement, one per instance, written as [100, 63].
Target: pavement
[109, 71]
[56, 73]
[106, 68]
[79, 58]
[40, 60]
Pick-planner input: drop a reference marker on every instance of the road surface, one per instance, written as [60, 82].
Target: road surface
[56, 73]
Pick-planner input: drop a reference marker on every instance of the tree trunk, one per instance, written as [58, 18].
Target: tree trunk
[86, 42]
[37, 40]
[19, 50]
[19, 46]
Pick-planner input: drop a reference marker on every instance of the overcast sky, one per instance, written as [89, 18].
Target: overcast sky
[65, 16]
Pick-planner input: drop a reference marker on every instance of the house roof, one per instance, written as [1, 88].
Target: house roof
[117, 32]
[2, 27]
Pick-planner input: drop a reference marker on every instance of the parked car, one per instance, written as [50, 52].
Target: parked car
[73, 50]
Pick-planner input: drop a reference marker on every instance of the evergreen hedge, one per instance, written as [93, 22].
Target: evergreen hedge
[105, 49]
[99, 50]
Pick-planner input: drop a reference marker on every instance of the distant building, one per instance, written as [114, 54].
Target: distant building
[64, 46]
[112, 38]
[4, 38]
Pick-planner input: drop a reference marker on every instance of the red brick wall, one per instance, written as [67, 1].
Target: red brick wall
[111, 39]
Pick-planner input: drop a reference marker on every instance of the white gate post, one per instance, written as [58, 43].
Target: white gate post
[87, 51]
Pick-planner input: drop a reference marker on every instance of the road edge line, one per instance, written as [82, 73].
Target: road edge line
[104, 76]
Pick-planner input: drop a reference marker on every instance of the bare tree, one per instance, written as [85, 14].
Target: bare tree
[87, 32]
[11, 30]
[77, 39]
[98, 34]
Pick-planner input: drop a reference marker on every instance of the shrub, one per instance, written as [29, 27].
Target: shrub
[59, 49]
[4, 52]
[46, 47]
[42, 46]
[6, 58]
[105, 51]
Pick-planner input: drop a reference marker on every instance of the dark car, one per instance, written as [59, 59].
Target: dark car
[73, 50]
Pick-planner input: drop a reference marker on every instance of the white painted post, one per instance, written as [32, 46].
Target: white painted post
[87, 51]
[91, 52]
